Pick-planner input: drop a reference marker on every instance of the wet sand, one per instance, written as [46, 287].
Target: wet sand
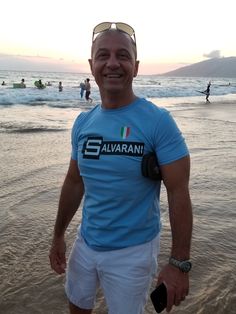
[33, 166]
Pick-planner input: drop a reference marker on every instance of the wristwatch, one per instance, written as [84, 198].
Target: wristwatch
[184, 266]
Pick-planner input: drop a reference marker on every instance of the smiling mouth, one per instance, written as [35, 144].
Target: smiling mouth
[113, 76]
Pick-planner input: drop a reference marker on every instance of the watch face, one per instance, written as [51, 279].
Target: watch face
[185, 266]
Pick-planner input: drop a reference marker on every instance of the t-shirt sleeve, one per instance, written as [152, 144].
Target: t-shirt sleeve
[170, 143]
[75, 135]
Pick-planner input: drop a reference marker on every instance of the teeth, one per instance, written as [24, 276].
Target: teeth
[113, 76]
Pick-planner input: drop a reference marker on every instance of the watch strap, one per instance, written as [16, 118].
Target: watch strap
[184, 266]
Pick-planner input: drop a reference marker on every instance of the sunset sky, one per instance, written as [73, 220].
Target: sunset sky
[170, 33]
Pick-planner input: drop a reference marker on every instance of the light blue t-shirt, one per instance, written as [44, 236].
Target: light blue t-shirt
[121, 207]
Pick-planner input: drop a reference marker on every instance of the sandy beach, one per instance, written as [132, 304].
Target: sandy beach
[33, 163]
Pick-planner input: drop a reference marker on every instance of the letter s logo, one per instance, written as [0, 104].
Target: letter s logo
[92, 147]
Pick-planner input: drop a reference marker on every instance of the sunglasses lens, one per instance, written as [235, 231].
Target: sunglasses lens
[125, 28]
[102, 27]
[105, 26]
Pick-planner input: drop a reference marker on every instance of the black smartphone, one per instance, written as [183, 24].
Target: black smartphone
[159, 298]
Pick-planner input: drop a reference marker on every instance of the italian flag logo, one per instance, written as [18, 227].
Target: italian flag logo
[125, 131]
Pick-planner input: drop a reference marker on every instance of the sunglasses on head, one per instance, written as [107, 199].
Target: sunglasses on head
[123, 27]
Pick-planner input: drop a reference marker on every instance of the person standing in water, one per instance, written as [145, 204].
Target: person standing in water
[88, 90]
[82, 89]
[207, 91]
[60, 87]
[23, 83]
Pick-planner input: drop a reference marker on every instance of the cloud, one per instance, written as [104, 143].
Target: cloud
[212, 54]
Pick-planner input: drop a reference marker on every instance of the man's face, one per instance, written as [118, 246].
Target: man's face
[113, 63]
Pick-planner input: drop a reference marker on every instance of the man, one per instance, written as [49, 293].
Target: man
[82, 89]
[207, 91]
[87, 90]
[60, 87]
[23, 83]
[118, 240]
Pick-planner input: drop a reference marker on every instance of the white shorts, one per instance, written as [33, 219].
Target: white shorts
[124, 275]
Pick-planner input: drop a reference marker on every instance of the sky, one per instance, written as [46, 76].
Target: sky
[56, 35]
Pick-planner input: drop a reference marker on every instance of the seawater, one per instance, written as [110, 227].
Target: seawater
[152, 86]
[35, 130]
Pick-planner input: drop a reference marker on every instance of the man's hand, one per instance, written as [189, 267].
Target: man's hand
[57, 255]
[177, 285]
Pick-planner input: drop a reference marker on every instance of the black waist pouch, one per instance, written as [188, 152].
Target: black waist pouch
[150, 167]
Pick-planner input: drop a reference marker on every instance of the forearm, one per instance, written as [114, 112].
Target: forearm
[71, 196]
[181, 221]
[176, 179]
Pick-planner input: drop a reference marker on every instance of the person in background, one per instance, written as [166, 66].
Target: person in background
[88, 90]
[207, 91]
[22, 82]
[40, 83]
[82, 89]
[3, 83]
[117, 243]
[60, 87]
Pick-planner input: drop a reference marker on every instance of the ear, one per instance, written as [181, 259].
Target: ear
[91, 65]
[136, 68]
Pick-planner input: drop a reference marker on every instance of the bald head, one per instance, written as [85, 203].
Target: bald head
[111, 36]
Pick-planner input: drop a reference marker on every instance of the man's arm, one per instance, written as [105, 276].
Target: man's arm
[176, 179]
[71, 196]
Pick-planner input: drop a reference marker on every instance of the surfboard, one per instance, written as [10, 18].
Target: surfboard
[201, 92]
[19, 85]
[40, 86]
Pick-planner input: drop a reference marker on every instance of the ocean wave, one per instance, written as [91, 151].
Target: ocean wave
[68, 100]
[11, 127]
[144, 86]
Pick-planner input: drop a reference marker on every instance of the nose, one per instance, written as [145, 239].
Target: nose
[113, 62]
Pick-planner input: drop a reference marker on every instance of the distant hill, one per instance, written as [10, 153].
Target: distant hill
[217, 67]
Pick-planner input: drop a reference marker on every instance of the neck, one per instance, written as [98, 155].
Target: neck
[116, 100]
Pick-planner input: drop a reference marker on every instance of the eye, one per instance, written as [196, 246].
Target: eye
[102, 55]
[123, 55]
